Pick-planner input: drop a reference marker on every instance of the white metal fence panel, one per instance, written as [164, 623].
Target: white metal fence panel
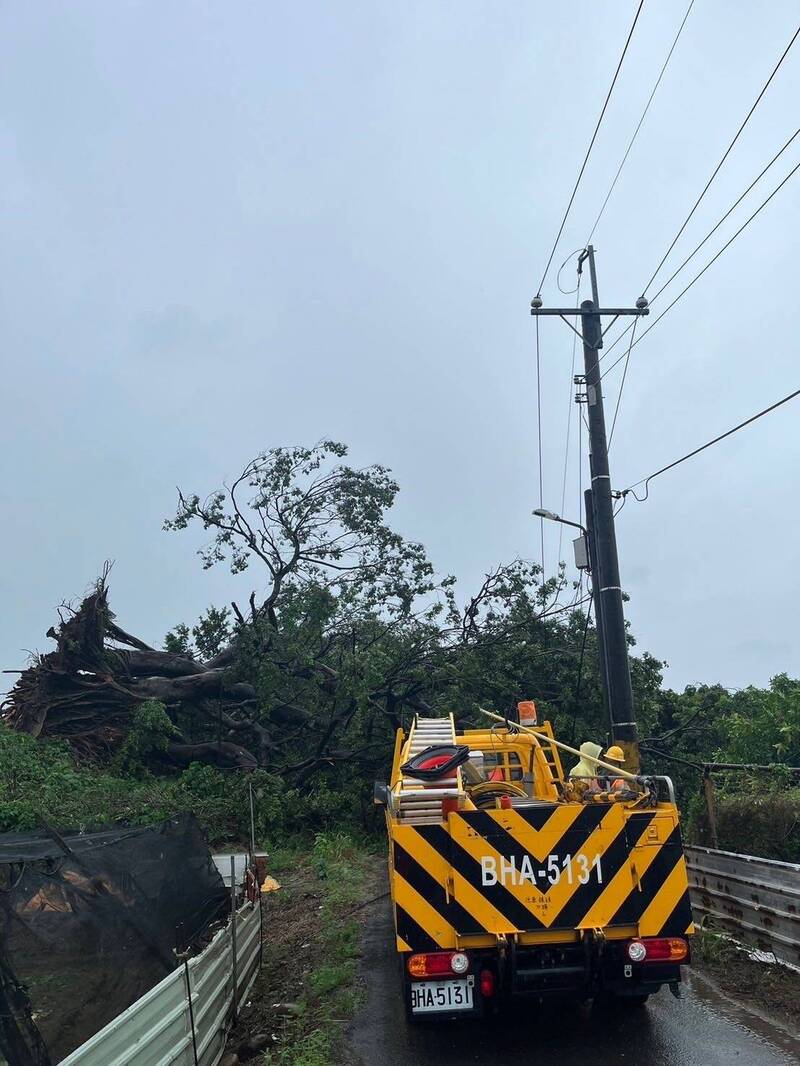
[248, 937]
[156, 1030]
[756, 900]
[158, 1020]
[222, 861]
[211, 978]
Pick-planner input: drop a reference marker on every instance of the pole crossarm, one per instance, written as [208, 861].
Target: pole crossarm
[582, 313]
[565, 311]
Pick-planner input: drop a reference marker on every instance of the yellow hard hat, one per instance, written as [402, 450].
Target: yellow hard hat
[615, 754]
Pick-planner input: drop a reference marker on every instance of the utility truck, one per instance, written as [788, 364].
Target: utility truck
[509, 878]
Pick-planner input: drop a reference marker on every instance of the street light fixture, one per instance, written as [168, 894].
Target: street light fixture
[580, 545]
[551, 516]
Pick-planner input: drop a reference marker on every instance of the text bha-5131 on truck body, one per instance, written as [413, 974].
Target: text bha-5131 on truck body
[507, 878]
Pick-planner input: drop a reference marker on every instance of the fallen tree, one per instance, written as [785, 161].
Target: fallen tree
[270, 693]
[88, 690]
[349, 635]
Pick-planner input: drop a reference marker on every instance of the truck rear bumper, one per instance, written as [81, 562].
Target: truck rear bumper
[580, 970]
[585, 969]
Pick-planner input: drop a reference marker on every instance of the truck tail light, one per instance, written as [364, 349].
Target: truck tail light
[487, 984]
[658, 949]
[438, 963]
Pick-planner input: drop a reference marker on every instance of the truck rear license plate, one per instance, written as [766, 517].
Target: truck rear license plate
[441, 996]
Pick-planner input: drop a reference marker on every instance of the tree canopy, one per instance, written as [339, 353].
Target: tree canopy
[348, 631]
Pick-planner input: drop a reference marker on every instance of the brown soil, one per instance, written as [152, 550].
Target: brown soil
[775, 989]
[294, 929]
[291, 923]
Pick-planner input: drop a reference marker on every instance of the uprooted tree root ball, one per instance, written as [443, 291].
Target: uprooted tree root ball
[89, 689]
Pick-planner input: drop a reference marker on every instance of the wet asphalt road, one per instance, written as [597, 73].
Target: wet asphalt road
[702, 1029]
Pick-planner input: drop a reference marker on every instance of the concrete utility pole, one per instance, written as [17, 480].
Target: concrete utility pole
[606, 589]
[594, 569]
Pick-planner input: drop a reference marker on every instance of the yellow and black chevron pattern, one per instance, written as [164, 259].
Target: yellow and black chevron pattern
[550, 869]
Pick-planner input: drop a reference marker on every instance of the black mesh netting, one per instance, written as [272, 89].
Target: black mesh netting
[90, 922]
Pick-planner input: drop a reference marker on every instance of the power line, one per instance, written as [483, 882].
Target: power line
[646, 481]
[568, 292]
[710, 234]
[724, 157]
[727, 214]
[570, 406]
[580, 669]
[591, 145]
[711, 261]
[670, 758]
[622, 385]
[581, 501]
[641, 120]
[539, 425]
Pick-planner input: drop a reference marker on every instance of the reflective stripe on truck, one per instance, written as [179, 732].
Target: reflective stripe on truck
[555, 867]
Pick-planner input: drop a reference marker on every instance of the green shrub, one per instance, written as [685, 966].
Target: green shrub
[753, 818]
[41, 780]
[151, 731]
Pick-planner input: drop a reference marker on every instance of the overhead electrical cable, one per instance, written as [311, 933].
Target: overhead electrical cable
[729, 212]
[580, 669]
[568, 292]
[570, 406]
[622, 385]
[562, 577]
[699, 275]
[722, 160]
[710, 234]
[646, 480]
[589, 149]
[539, 428]
[581, 501]
[639, 123]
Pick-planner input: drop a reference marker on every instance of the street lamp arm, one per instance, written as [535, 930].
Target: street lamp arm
[540, 512]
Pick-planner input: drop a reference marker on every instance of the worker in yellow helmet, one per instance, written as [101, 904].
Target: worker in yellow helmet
[616, 757]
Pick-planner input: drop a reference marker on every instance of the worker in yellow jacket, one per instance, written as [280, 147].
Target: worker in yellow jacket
[584, 774]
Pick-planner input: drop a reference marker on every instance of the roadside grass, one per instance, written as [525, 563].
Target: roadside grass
[337, 873]
[769, 985]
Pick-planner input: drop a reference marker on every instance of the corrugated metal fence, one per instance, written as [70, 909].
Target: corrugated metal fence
[157, 1029]
[756, 900]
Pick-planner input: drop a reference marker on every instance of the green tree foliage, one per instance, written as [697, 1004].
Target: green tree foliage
[203, 641]
[150, 732]
[349, 632]
[758, 811]
[308, 519]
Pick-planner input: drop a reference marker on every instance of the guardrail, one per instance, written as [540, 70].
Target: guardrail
[169, 1026]
[756, 900]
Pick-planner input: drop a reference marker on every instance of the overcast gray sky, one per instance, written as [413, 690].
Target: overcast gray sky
[230, 226]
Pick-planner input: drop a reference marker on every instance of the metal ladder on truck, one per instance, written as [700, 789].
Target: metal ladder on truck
[417, 803]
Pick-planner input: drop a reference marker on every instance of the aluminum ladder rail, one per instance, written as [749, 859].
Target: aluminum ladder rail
[416, 803]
